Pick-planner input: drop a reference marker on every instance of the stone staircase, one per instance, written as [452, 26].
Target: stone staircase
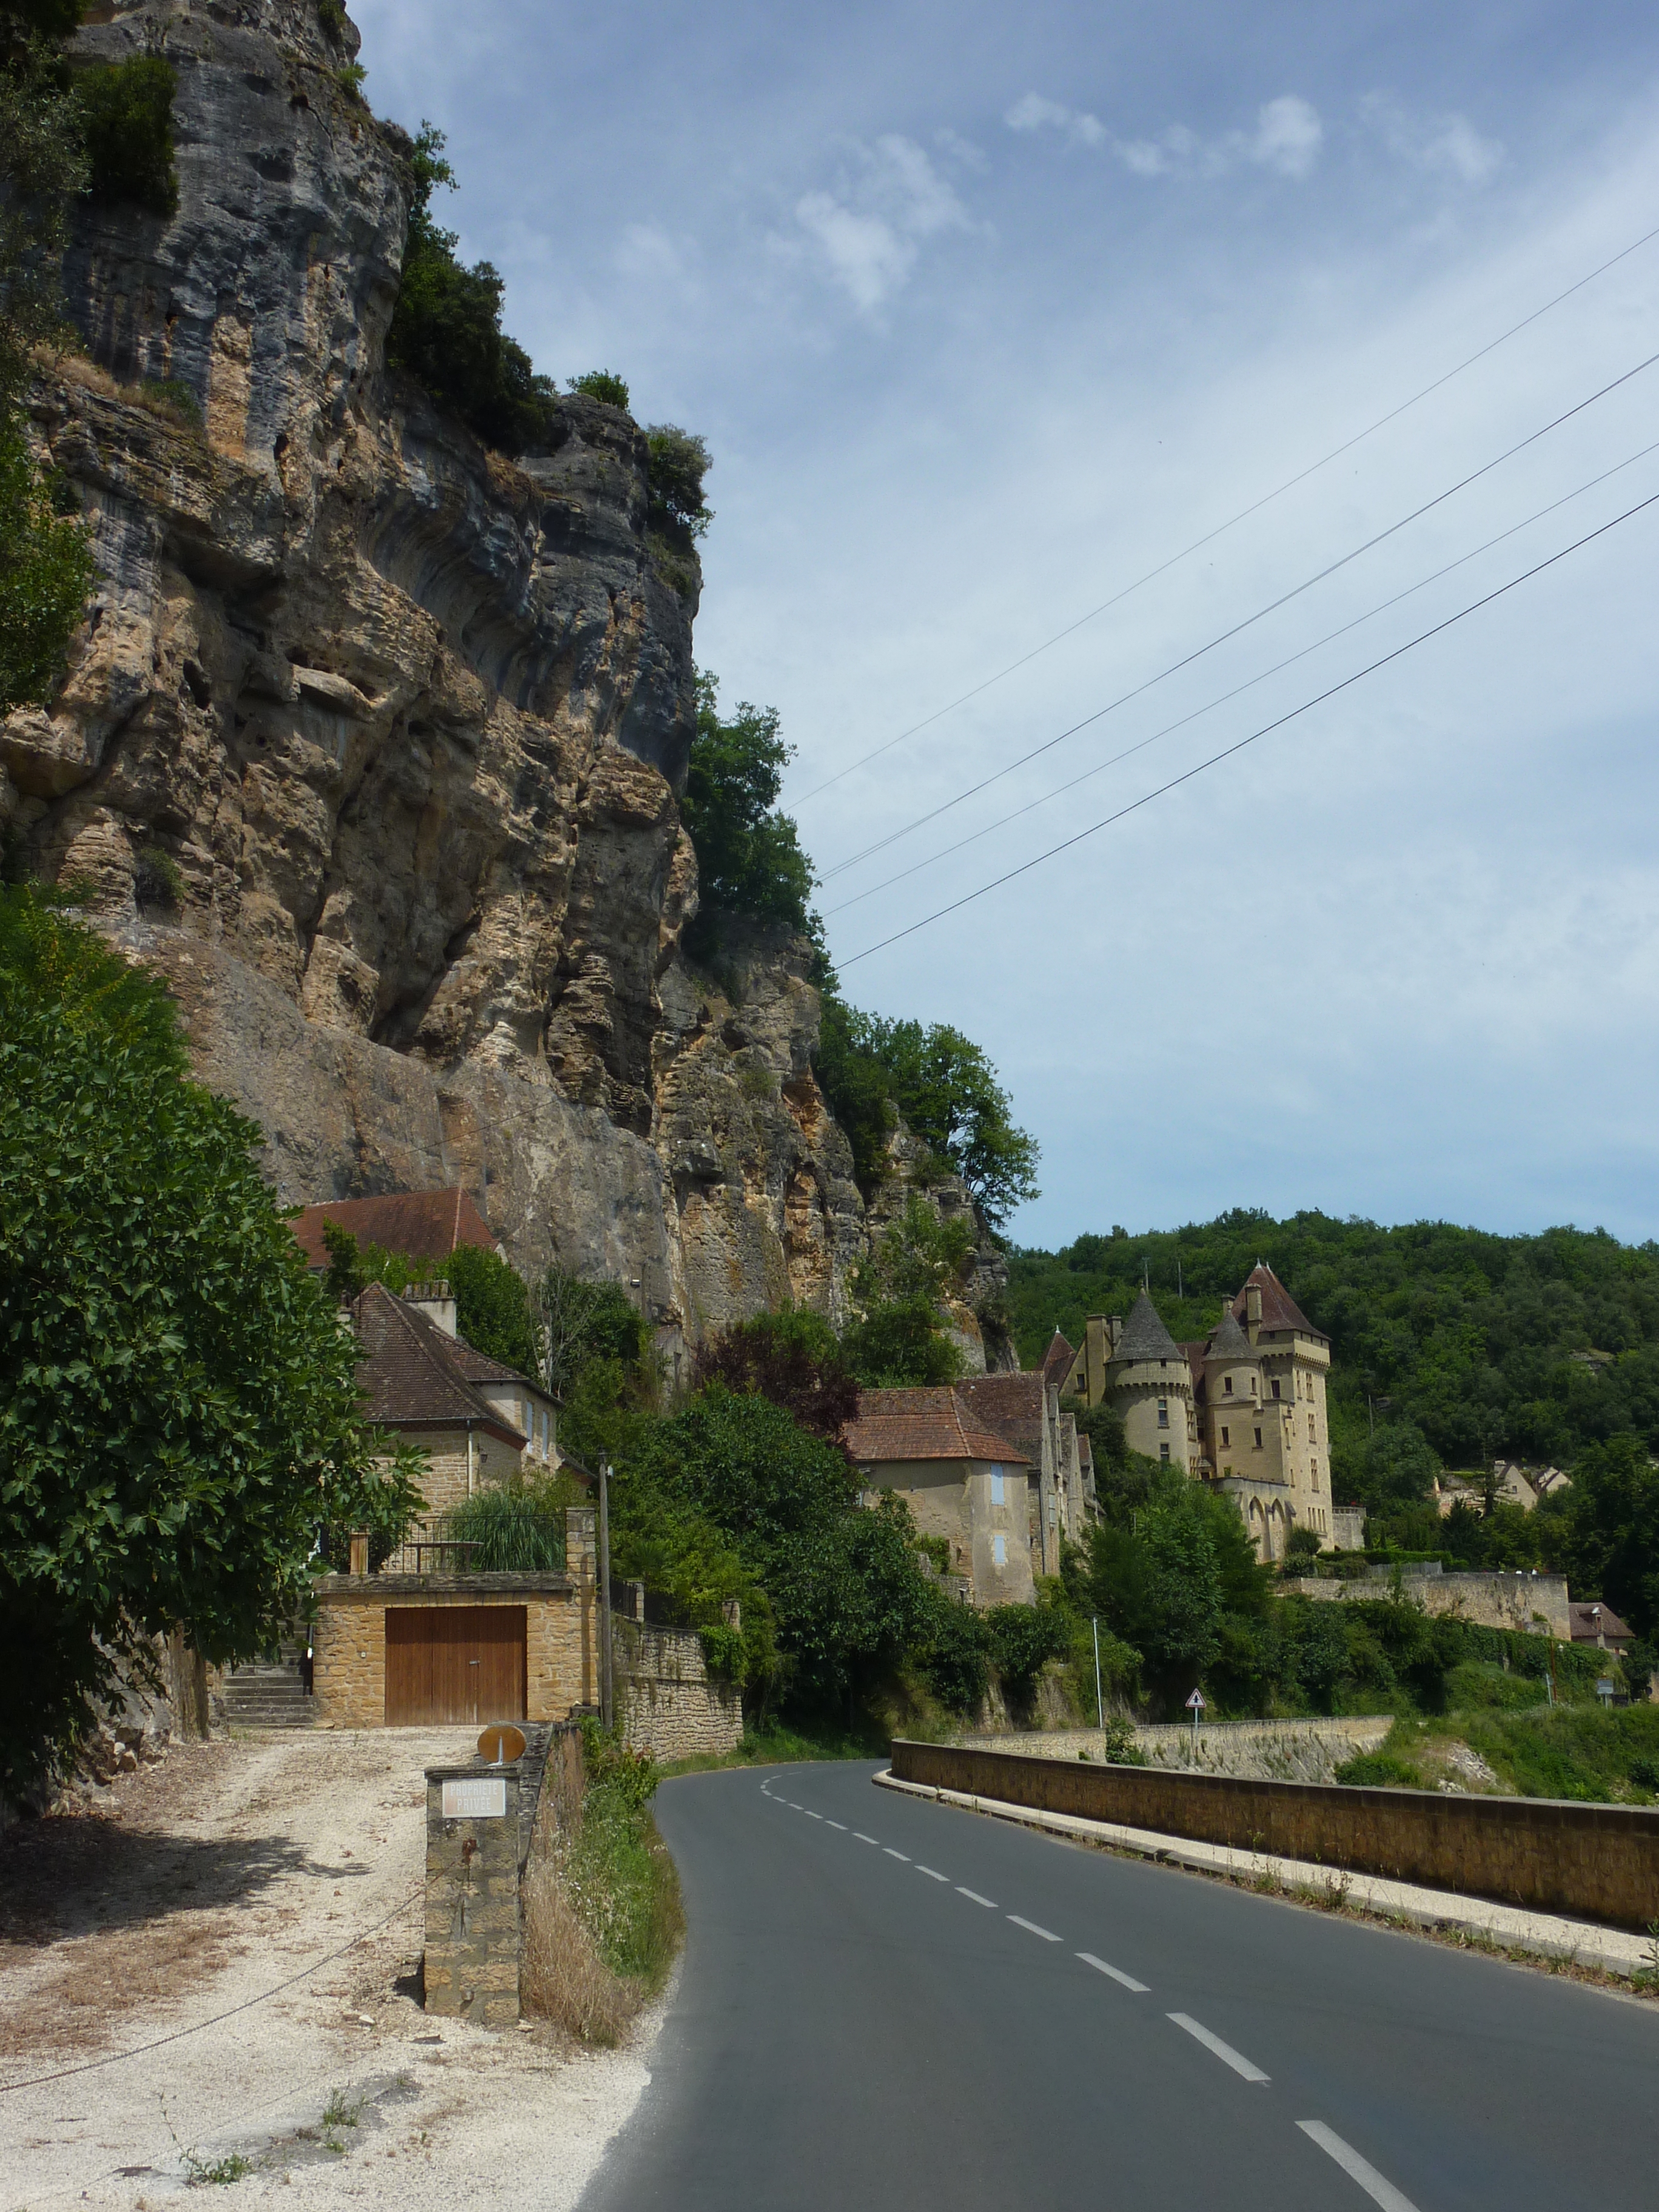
[268, 1695]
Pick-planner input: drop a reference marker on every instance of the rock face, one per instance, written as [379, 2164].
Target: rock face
[407, 719]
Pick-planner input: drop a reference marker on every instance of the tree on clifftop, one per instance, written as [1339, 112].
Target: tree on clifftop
[179, 1405]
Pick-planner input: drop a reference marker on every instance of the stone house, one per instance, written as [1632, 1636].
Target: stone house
[1514, 1483]
[1598, 1624]
[477, 1421]
[1244, 1409]
[962, 1479]
[1025, 1408]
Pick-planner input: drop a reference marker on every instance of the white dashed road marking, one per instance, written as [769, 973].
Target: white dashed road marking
[1031, 1927]
[1358, 2169]
[828, 1823]
[932, 1876]
[811, 1814]
[1224, 2051]
[892, 1854]
[859, 1836]
[975, 1898]
[1116, 1973]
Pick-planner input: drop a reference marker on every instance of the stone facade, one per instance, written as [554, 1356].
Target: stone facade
[348, 1638]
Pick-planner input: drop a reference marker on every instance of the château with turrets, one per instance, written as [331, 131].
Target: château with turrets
[1244, 1409]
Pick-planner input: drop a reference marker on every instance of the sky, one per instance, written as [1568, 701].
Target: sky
[996, 321]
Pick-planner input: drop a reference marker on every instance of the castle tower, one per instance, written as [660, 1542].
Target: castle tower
[1152, 1386]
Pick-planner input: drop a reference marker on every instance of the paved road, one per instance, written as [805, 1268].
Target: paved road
[887, 2003]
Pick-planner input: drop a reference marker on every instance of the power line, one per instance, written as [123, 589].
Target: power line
[1272, 606]
[1209, 707]
[1227, 752]
[1243, 515]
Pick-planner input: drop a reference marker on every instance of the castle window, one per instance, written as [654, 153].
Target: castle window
[1164, 1454]
[1275, 1386]
[1258, 1439]
[1225, 1437]
[997, 1496]
[1163, 1413]
[999, 1550]
[1315, 1475]
[1311, 1428]
[1227, 1384]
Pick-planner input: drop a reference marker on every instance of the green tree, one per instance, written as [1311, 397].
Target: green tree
[602, 384]
[178, 1407]
[447, 327]
[900, 1291]
[1603, 1532]
[792, 1358]
[46, 572]
[493, 1307]
[127, 111]
[677, 462]
[750, 860]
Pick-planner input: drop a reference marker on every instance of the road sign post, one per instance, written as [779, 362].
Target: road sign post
[1195, 1706]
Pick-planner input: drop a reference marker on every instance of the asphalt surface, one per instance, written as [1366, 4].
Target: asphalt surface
[887, 2003]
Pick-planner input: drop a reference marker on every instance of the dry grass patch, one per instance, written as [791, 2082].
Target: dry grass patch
[563, 1979]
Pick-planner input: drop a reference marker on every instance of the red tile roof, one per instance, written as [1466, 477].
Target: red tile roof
[424, 1224]
[924, 1424]
[1279, 1310]
[1015, 1405]
[415, 1376]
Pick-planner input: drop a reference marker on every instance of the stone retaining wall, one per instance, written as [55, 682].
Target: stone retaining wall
[1530, 1605]
[1269, 1751]
[1592, 1861]
[669, 1705]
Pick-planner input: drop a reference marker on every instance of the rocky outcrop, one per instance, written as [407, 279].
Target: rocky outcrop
[405, 721]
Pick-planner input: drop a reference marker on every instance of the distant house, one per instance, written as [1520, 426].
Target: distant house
[477, 1421]
[1513, 1484]
[1025, 1408]
[1596, 1624]
[963, 1480]
[422, 1224]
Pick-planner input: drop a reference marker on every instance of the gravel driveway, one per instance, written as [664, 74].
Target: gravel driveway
[205, 1884]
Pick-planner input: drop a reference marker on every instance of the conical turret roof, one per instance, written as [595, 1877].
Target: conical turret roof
[1145, 1336]
[1230, 1346]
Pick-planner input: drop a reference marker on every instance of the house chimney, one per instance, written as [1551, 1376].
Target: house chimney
[434, 1301]
[1253, 1310]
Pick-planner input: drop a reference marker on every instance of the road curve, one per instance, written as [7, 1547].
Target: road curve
[887, 2003]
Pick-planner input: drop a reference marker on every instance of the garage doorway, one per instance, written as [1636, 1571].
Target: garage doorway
[455, 1662]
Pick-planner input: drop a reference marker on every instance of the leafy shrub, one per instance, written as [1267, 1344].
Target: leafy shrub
[790, 1357]
[45, 574]
[493, 1307]
[1473, 1683]
[1023, 1639]
[1645, 1772]
[157, 880]
[1121, 1747]
[128, 108]
[331, 15]
[602, 384]
[446, 327]
[351, 77]
[518, 1527]
[955, 1657]
[1379, 1770]
[677, 462]
[749, 860]
[171, 397]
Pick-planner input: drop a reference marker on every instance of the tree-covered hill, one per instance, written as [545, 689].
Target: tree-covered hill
[1439, 1334]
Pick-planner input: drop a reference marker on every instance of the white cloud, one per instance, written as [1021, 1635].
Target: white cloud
[1287, 137]
[872, 229]
[1033, 112]
[1446, 145]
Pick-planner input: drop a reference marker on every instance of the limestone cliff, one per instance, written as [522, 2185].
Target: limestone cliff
[407, 717]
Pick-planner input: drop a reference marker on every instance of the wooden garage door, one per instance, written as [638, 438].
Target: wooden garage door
[455, 1662]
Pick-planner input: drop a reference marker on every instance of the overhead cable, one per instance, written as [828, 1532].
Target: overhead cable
[1242, 515]
[1225, 636]
[1072, 783]
[1228, 751]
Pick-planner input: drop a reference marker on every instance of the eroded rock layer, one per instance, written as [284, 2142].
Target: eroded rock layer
[404, 721]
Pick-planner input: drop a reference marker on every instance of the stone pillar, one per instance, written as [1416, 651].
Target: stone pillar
[472, 1856]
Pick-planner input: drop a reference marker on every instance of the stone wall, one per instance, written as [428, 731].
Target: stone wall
[1273, 1751]
[1531, 1605]
[668, 1703]
[473, 1943]
[348, 1641]
[1597, 1861]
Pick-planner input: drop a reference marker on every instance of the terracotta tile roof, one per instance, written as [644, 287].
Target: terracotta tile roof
[930, 1423]
[1056, 1363]
[426, 1224]
[413, 1373]
[1279, 1310]
[1592, 1621]
[1016, 1405]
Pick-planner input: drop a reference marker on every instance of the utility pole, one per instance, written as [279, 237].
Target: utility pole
[1100, 1702]
[607, 1693]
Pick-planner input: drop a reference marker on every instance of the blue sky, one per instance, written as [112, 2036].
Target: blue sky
[987, 312]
